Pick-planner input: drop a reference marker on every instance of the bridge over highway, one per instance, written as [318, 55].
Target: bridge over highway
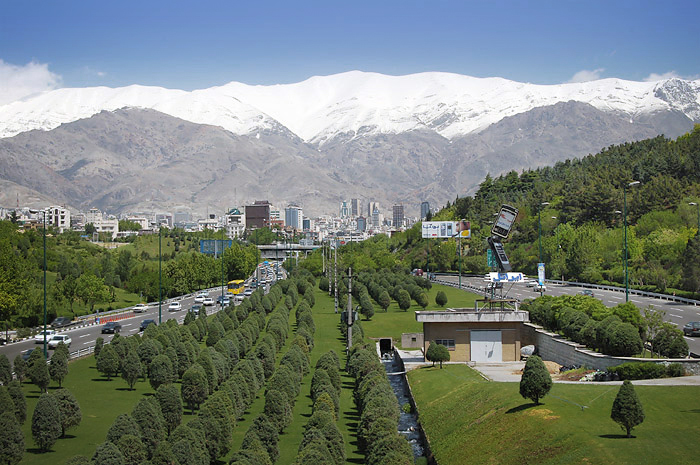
[281, 250]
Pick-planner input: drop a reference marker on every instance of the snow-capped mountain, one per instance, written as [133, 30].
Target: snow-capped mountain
[355, 103]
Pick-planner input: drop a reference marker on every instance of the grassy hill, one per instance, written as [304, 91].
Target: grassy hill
[470, 420]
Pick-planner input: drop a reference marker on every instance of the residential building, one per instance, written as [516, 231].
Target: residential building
[293, 217]
[58, 217]
[234, 222]
[424, 209]
[258, 214]
[371, 206]
[355, 207]
[344, 209]
[397, 217]
[361, 223]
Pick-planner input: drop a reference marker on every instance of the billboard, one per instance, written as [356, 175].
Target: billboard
[214, 246]
[505, 220]
[445, 229]
[506, 277]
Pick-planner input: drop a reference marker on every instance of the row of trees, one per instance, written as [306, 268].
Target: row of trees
[621, 330]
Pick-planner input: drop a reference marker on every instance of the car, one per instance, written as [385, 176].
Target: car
[174, 307]
[39, 338]
[199, 298]
[57, 339]
[145, 323]
[692, 329]
[540, 288]
[238, 298]
[587, 292]
[248, 292]
[61, 321]
[208, 301]
[223, 300]
[27, 353]
[139, 308]
[111, 327]
[196, 308]
[3, 341]
[531, 283]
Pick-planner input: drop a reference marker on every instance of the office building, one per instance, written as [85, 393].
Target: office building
[258, 214]
[293, 217]
[424, 209]
[397, 217]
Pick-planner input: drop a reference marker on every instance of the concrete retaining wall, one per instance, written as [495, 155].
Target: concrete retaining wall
[412, 340]
[551, 346]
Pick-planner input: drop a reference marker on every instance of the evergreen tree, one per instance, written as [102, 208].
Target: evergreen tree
[11, 440]
[404, 299]
[15, 391]
[536, 380]
[107, 454]
[5, 370]
[160, 371]
[147, 415]
[99, 343]
[70, 409]
[170, 400]
[384, 300]
[194, 387]
[46, 422]
[437, 353]
[58, 368]
[39, 371]
[278, 409]
[132, 449]
[108, 362]
[627, 410]
[441, 298]
[132, 369]
[123, 424]
[20, 367]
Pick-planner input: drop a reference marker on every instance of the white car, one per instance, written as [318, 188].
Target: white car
[531, 283]
[248, 292]
[139, 308]
[39, 338]
[541, 288]
[238, 298]
[57, 339]
[208, 301]
[199, 298]
[174, 307]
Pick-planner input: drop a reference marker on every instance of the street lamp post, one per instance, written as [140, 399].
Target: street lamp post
[160, 277]
[624, 194]
[698, 205]
[46, 353]
[539, 235]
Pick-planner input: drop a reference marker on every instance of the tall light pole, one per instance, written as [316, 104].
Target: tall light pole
[624, 194]
[698, 205]
[539, 236]
[46, 353]
[160, 277]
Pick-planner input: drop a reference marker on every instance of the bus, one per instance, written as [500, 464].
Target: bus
[237, 286]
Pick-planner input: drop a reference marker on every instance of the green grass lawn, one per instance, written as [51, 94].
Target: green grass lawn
[469, 420]
[395, 321]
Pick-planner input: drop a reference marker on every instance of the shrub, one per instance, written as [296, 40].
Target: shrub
[675, 370]
[441, 298]
[536, 381]
[639, 370]
[624, 340]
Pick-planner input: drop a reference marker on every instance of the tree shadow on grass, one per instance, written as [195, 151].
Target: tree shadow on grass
[695, 410]
[616, 436]
[522, 407]
[37, 451]
[102, 379]
[356, 460]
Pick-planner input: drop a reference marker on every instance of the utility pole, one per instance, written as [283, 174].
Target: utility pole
[335, 280]
[350, 313]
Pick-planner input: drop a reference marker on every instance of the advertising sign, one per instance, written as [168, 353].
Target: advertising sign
[505, 220]
[540, 273]
[445, 229]
[214, 246]
[506, 277]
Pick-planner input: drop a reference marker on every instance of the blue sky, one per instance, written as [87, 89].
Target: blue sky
[199, 44]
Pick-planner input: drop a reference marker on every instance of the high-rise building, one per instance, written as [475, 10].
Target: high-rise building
[306, 222]
[371, 207]
[344, 209]
[257, 215]
[376, 218]
[424, 209]
[355, 207]
[361, 223]
[293, 217]
[397, 221]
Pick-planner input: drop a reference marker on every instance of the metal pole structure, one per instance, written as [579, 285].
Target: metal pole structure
[350, 313]
[460, 260]
[222, 273]
[335, 279]
[539, 235]
[160, 278]
[698, 205]
[46, 354]
[624, 194]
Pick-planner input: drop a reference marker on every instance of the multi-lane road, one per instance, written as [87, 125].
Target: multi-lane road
[676, 313]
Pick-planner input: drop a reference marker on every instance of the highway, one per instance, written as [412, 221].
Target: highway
[676, 313]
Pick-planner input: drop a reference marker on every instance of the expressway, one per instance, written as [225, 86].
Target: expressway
[676, 313]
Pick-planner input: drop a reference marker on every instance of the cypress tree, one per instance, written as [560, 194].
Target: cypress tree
[46, 422]
[170, 400]
[20, 367]
[160, 371]
[147, 415]
[108, 362]
[58, 368]
[39, 371]
[99, 343]
[132, 449]
[441, 298]
[11, 440]
[5, 370]
[70, 409]
[627, 410]
[123, 424]
[194, 386]
[107, 454]
[536, 380]
[132, 369]
[15, 391]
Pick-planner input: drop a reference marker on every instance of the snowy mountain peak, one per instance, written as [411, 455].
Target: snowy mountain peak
[354, 103]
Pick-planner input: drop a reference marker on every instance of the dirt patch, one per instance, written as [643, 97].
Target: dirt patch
[573, 375]
[552, 368]
[543, 413]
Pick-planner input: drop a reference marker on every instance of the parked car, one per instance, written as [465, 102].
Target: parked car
[208, 301]
[3, 341]
[174, 307]
[39, 338]
[692, 329]
[199, 298]
[61, 321]
[111, 327]
[57, 339]
[196, 308]
[139, 308]
[540, 288]
[145, 323]
[587, 292]
[531, 283]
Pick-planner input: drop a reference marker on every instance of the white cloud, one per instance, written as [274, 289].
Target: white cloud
[653, 77]
[17, 81]
[585, 75]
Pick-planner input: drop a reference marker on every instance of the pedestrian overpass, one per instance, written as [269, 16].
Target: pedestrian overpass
[282, 251]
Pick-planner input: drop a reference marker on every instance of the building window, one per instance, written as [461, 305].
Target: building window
[449, 343]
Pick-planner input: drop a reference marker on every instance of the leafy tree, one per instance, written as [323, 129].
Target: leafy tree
[58, 368]
[123, 424]
[384, 300]
[627, 410]
[78, 460]
[39, 371]
[536, 380]
[92, 290]
[17, 395]
[366, 307]
[20, 367]
[170, 400]
[278, 409]
[404, 299]
[422, 299]
[70, 409]
[99, 343]
[653, 321]
[132, 369]
[669, 342]
[11, 440]
[46, 422]
[108, 362]
[5, 370]
[437, 353]
[160, 371]
[132, 448]
[147, 415]
[107, 454]
[195, 388]
[441, 298]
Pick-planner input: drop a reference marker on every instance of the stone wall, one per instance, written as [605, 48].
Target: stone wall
[551, 346]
